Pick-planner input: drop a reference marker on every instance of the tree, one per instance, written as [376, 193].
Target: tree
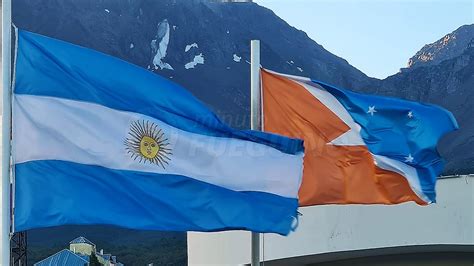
[93, 261]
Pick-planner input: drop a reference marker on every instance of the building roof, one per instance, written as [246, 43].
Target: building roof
[64, 257]
[84, 257]
[81, 240]
[106, 257]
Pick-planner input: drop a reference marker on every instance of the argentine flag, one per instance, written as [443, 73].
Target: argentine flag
[97, 140]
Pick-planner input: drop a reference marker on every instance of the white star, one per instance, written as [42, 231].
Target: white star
[410, 114]
[372, 110]
[409, 158]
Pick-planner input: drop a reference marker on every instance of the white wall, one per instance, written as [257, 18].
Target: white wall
[1, 91]
[1, 167]
[324, 229]
[1, 214]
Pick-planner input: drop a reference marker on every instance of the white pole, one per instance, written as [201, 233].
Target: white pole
[6, 129]
[255, 123]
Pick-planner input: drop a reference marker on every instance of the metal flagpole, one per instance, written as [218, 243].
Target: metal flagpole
[6, 130]
[255, 123]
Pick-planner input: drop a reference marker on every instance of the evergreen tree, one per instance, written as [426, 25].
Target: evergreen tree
[93, 261]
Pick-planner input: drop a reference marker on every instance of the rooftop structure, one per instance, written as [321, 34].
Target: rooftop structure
[81, 240]
[79, 252]
[64, 257]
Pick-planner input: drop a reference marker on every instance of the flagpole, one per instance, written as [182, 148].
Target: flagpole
[255, 124]
[6, 130]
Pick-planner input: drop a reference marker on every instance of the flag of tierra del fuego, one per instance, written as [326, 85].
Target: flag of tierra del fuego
[358, 148]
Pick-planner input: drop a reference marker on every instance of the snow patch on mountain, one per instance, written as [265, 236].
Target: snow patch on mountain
[106, 10]
[198, 59]
[159, 45]
[189, 46]
[131, 45]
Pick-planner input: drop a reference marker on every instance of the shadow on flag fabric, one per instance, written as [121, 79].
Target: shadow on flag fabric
[97, 140]
[359, 148]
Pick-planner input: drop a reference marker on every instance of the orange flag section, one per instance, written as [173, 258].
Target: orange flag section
[332, 174]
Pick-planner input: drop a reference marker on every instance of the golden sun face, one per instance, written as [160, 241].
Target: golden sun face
[147, 143]
[148, 147]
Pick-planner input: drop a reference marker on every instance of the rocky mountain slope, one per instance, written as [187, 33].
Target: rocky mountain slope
[195, 41]
[451, 45]
[204, 45]
[447, 79]
[191, 42]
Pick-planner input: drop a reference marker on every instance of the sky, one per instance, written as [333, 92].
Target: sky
[375, 36]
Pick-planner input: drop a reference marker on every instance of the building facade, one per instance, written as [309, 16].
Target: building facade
[79, 254]
[82, 245]
[338, 234]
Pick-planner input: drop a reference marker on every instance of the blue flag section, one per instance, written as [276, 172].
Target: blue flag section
[97, 140]
[401, 130]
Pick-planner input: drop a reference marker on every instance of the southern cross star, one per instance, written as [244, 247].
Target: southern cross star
[372, 110]
[410, 114]
[409, 158]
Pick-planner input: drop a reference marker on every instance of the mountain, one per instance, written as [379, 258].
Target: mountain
[447, 80]
[448, 84]
[450, 46]
[204, 46]
[197, 40]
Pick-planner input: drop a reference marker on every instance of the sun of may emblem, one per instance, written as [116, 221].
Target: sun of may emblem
[147, 143]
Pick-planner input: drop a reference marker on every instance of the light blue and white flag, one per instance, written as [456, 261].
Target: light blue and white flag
[97, 140]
